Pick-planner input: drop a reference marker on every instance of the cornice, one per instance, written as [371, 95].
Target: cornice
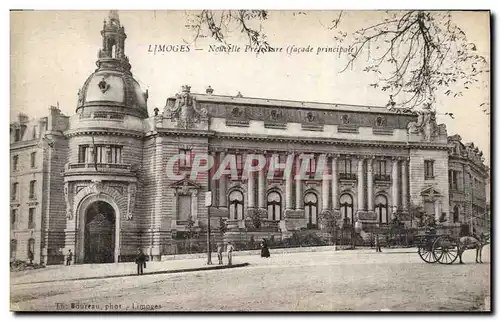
[332, 141]
[103, 131]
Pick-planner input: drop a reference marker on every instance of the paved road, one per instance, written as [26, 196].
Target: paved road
[332, 281]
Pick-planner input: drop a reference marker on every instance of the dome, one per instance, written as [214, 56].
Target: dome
[112, 88]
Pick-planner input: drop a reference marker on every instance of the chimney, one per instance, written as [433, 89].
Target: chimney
[210, 90]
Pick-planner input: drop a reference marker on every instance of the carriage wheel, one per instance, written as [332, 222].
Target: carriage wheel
[426, 255]
[445, 249]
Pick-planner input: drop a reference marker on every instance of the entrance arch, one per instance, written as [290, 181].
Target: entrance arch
[98, 236]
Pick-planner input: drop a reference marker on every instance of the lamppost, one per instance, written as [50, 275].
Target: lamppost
[208, 204]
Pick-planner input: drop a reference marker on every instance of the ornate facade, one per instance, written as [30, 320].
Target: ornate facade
[102, 190]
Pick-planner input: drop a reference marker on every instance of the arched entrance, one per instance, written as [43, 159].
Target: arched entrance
[99, 233]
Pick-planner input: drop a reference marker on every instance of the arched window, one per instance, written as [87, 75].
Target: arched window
[274, 206]
[311, 209]
[346, 208]
[13, 249]
[381, 209]
[236, 205]
[456, 214]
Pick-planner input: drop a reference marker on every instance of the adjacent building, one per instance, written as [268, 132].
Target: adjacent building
[96, 182]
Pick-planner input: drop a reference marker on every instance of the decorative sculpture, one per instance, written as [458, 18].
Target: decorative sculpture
[184, 110]
[69, 211]
[425, 124]
[132, 189]
[103, 85]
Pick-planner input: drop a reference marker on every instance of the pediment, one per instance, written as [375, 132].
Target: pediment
[185, 183]
[430, 192]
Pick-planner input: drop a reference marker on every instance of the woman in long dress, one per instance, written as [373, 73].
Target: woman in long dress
[264, 252]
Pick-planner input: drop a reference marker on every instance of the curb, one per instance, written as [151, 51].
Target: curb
[206, 268]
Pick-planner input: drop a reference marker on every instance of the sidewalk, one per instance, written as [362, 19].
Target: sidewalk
[55, 273]
[359, 250]
[169, 264]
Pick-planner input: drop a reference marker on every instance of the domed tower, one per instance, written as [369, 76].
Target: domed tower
[105, 156]
[112, 87]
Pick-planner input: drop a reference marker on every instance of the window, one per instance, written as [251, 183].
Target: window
[14, 191]
[311, 171]
[429, 169]
[346, 208]
[453, 177]
[239, 163]
[15, 162]
[34, 133]
[184, 207]
[83, 151]
[311, 210]
[102, 154]
[185, 158]
[274, 206]
[32, 190]
[13, 219]
[345, 166]
[381, 209]
[33, 159]
[381, 167]
[31, 218]
[236, 205]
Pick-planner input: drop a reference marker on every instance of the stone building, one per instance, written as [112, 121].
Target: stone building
[97, 182]
[468, 178]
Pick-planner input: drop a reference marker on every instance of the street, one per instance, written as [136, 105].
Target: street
[308, 281]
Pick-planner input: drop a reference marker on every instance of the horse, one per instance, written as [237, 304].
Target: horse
[473, 242]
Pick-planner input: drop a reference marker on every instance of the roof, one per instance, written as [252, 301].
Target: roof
[289, 103]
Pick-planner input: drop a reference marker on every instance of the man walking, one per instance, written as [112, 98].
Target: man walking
[229, 250]
[220, 250]
[69, 258]
[140, 260]
[377, 243]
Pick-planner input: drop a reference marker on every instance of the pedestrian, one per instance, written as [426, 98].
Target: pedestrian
[69, 258]
[377, 243]
[140, 260]
[264, 251]
[220, 250]
[229, 249]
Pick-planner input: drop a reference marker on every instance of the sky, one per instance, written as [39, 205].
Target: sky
[53, 53]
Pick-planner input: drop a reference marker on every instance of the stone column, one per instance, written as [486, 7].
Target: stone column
[262, 188]
[404, 185]
[369, 182]
[298, 184]
[395, 186]
[288, 191]
[325, 190]
[335, 197]
[222, 184]
[251, 189]
[361, 196]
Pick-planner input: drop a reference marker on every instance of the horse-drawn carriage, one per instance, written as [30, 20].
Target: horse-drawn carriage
[437, 245]
[443, 244]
